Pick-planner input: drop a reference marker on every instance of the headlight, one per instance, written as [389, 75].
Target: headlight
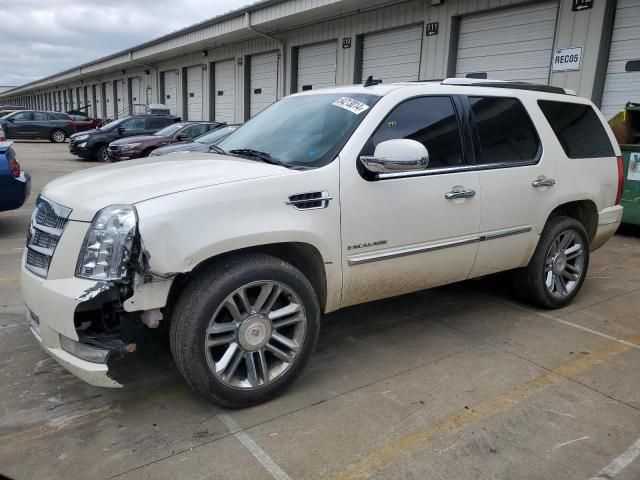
[107, 247]
[80, 137]
[129, 146]
[82, 145]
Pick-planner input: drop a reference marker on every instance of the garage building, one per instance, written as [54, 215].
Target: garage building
[232, 67]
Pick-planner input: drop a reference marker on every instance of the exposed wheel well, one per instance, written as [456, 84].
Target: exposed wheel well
[585, 211]
[303, 256]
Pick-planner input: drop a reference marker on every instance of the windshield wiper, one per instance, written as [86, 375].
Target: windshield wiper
[265, 157]
[215, 148]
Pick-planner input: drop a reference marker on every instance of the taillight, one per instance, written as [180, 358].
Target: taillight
[2, 137]
[620, 179]
[15, 167]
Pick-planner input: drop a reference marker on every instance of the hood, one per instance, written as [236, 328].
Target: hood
[140, 138]
[182, 147]
[90, 132]
[90, 190]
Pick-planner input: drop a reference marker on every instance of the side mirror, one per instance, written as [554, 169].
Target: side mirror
[120, 130]
[11, 119]
[397, 156]
[182, 136]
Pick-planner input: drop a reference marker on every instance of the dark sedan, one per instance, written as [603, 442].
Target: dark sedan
[15, 185]
[142, 146]
[200, 144]
[32, 124]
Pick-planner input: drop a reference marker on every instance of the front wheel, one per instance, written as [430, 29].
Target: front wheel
[102, 154]
[559, 265]
[58, 136]
[244, 328]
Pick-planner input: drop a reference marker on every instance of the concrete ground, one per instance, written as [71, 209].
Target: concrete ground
[461, 382]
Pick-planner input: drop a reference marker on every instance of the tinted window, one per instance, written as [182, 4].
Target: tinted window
[133, 124]
[578, 129]
[22, 116]
[40, 116]
[431, 121]
[505, 130]
[195, 130]
[160, 122]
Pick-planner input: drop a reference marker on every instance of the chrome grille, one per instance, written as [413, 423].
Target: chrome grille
[47, 224]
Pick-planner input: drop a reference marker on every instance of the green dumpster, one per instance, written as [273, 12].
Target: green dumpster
[631, 195]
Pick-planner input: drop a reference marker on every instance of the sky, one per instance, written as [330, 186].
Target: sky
[43, 37]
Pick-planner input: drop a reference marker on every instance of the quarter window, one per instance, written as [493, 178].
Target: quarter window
[578, 129]
[432, 121]
[505, 131]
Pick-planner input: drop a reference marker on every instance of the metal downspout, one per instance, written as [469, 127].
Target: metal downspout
[247, 16]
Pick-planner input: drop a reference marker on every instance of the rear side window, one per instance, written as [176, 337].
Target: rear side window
[578, 129]
[159, 122]
[505, 131]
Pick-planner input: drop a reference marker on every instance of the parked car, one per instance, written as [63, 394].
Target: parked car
[34, 124]
[141, 146]
[95, 143]
[15, 185]
[382, 191]
[82, 123]
[200, 144]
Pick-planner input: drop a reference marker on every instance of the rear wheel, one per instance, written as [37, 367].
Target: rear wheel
[244, 328]
[102, 154]
[559, 265]
[58, 136]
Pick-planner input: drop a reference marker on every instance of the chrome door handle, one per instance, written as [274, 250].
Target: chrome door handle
[543, 181]
[460, 192]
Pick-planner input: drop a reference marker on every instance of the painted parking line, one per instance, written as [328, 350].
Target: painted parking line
[620, 463]
[568, 323]
[258, 453]
[378, 460]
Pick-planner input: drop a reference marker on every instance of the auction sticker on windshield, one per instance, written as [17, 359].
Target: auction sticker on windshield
[354, 106]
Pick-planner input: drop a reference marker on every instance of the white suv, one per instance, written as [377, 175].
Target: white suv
[327, 199]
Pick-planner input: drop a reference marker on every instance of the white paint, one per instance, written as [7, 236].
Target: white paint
[564, 444]
[567, 59]
[620, 463]
[224, 99]
[574, 325]
[263, 82]
[170, 90]
[258, 453]
[194, 93]
[508, 44]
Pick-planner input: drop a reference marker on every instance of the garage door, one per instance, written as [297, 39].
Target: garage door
[263, 82]
[620, 85]
[119, 93]
[224, 91]
[135, 97]
[317, 66]
[509, 44]
[392, 56]
[170, 90]
[194, 93]
[107, 88]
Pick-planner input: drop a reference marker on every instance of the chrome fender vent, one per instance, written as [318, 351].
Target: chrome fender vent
[309, 201]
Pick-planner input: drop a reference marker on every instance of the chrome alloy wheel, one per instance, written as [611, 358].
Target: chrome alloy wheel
[255, 335]
[58, 136]
[564, 266]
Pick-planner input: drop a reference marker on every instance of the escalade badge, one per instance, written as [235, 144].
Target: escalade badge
[367, 244]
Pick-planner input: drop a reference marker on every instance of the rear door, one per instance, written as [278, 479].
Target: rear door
[43, 124]
[517, 178]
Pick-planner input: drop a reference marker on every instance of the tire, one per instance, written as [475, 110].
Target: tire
[57, 136]
[102, 154]
[203, 314]
[147, 152]
[554, 277]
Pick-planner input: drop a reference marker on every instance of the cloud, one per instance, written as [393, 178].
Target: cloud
[39, 38]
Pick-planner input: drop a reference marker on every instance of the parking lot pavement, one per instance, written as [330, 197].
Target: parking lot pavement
[461, 382]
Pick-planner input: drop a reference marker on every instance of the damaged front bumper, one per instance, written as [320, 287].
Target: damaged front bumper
[51, 307]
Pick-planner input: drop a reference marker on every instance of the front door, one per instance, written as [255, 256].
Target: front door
[20, 126]
[404, 234]
[517, 179]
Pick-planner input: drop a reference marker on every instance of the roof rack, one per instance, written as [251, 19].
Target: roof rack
[507, 84]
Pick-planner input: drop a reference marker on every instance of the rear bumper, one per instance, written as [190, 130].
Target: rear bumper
[15, 192]
[51, 305]
[609, 220]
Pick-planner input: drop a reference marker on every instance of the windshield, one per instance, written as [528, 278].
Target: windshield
[170, 130]
[303, 131]
[216, 135]
[111, 125]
